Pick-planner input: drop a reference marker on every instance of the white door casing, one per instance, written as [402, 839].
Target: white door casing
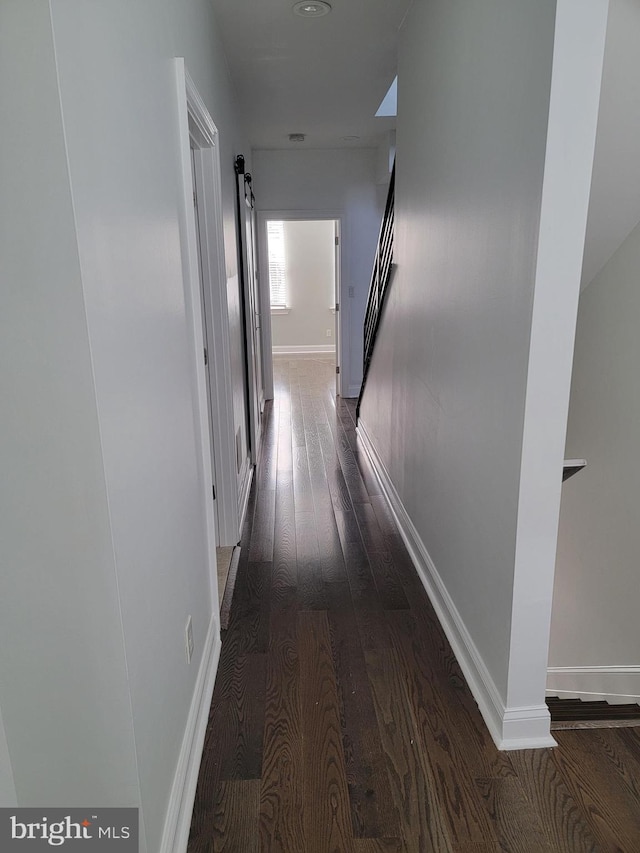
[342, 315]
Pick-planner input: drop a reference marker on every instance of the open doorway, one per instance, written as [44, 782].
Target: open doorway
[303, 276]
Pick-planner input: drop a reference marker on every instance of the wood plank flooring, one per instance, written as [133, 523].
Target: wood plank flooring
[340, 721]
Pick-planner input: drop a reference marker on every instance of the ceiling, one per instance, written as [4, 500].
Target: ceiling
[324, 77]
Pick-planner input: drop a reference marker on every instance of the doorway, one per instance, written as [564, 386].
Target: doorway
[206, 305]
[302, 263]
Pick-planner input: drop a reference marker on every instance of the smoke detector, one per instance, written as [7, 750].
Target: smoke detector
[296, 137]
[312, 9]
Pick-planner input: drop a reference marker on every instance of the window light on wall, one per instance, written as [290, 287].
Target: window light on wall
[277, 281]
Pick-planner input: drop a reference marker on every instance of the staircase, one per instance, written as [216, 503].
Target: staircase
[576, 713]
[380, 278]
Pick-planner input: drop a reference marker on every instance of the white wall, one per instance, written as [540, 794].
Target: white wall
[63, 681]
[614, 206]
[454, 348]
[453, 398]
[595, 615]
[310, 276]
[120, 121]
[105, 530]
[331, 180]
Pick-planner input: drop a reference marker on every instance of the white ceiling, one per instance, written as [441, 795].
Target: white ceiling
[323, 77]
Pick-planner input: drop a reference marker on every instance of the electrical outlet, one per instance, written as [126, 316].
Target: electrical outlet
[328, 333]
[188, 638]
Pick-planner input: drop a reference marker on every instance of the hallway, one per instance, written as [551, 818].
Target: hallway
[340, 721]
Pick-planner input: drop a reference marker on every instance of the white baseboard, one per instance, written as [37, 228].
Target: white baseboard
[353, 391]
[614, 684]
[311, 349]
[510, 728]
[178, 819]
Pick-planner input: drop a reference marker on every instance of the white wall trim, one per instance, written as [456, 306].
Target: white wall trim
[178, 819]
[244, 497]
[578, 52]
[306, 348]
[594, 670]
[611, 683]
[511, 728]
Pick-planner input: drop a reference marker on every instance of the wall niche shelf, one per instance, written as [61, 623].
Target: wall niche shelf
[571, 467]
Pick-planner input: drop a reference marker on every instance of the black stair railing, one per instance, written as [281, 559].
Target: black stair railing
[380, 278]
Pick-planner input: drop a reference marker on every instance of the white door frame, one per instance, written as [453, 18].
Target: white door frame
[195, 123]
[342, 315]
[251, 293]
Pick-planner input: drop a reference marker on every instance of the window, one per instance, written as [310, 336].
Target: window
[277, 282]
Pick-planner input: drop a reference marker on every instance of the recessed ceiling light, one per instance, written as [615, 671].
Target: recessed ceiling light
[312, 8]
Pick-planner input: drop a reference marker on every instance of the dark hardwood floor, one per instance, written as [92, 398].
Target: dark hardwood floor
[340, 720]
